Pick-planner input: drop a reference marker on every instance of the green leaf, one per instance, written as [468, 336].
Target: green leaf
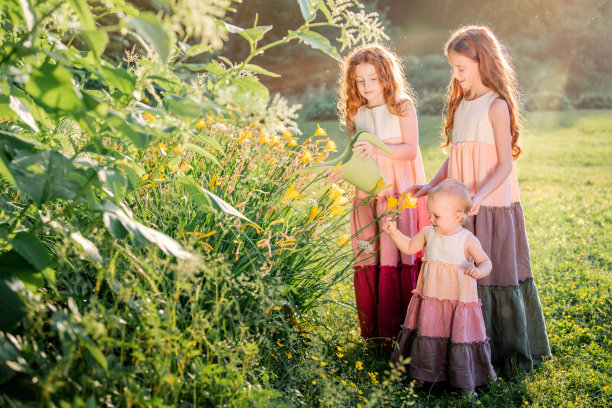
[85, 17]
[215, 67]
[11, 305]
[28, 14]
[208, 199]
[250, 34]
[116, 182]
[318, 42]
[12, 263]
[325, 11]
[119, 220]
[309, 9]
[246, 92]
[51, 86]
[183, 106]
[197, 149]
[31, 248]
[149, 28]
[97, 41]
[260, 70]
[131, 131]
[117, 78]
[209, 140]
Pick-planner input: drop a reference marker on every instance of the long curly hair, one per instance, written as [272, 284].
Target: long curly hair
[396, 89]
[496, 72]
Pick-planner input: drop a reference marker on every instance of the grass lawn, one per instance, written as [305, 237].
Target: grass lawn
[565, 176]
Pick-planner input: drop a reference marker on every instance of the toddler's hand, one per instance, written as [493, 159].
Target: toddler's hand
[390, 226]
[473, 272]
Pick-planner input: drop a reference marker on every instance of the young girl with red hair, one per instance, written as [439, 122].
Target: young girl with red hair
[375, 97]
[482, 129]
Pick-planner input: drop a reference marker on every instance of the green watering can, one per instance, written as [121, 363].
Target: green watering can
[363, 174]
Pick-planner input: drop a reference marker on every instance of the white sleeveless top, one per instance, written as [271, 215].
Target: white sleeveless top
[448, 249]
[378, 120]
[471, 123]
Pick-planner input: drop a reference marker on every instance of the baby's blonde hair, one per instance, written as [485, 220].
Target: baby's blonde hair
[456, 190]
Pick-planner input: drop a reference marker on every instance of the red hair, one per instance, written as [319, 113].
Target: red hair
[496, 72]
[389, 72]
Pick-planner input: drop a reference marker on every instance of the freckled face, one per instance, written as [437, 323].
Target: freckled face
[464, 70]
[368, 85]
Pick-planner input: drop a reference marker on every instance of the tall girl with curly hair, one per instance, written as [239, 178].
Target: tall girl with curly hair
[482, 129]
[375, 97]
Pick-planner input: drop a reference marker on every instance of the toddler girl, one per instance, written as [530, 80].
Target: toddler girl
[444, 331]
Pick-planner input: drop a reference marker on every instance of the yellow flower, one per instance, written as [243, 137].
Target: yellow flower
[341, 241]
[146, 99]
[148, 117]
[343, 382]
[314, 382]
[380, 183]
[162, 146]
[178, 149]
[244, 133]
[279, 343]
[330, 146]
[320, 131]
[263, 138]
[320, 157]
[340, 355]
[409, 202]
[323, 363]
[287, 134]
[292, 193]
[339, 348]
[292, 142]
[340, 201]
[391, 202]
[214, 181]
[201, 123]
[335, 191]
[306, 156]
[314, 357]
[359, 365]
[289, 355]
[336, 210]
[144, 177]
[314, 211]
[337, 166]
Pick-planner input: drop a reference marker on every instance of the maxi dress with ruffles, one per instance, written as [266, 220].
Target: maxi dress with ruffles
[510, 303]
[384, 277]
[444, 332]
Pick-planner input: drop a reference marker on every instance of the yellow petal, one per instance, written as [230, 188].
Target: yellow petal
[409, 202]
[337, 166]
[380, 183]
[341, 200]
[178, 149]
[306, 156]
[336, 210]
[335, 191]
[148, 117]
[342, 239]
[330, 146]
[391, 202]
[292, 194]
[314, 211]
[201, 124]
[320, 131]
[292, 142]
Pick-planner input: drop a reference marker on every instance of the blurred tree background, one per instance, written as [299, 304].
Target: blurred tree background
[561, 50]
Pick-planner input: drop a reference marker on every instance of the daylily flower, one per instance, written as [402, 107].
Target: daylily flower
[320, 131]
[148, 117]
[287, 134]
[292, 193]
[341, 241]
[337, 166]
[178, 149]
[201, 123]
[337, 210]
[264, 138]
[341, 200]
[314, 211]
[335, 191]
[409, 202]
[292, 142]
[306, 156]
[244, 133]
[330, 146]
[391, 202]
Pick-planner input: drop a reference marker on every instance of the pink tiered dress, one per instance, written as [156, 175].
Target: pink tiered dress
[510, 303]
[444, 331]
[384, 277]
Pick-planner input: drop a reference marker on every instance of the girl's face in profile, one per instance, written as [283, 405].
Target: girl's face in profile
[464, 70]
[368, 85]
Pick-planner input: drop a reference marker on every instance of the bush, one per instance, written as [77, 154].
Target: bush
[318, 103]
[590, 100]
[543, 101]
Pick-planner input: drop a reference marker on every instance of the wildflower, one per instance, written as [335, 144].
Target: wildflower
[409, 202]
[341, 200]
[244, 134]
[289, 355]
[314, 357]
[335, 192]
[144, 177]
[280, 344]
[343, 382]
[314, 211]
[287, 134]
[365, 245]
[391, 202]
[339, 348]
[380, 183]
[306, 156]
[323, 363]
[359, 365]
[341, 241]
[314, 382]
[292, 142]
[340, 355]
[277, 308]
[320, 131]
[178, 149]
[360, 392]
[264, 138]
[337, 210]
[148, 117]
[330, 146]
[201, 123]
[292, 193]
[162, 147]
[146, 99]
[320, 157]
[214, 181]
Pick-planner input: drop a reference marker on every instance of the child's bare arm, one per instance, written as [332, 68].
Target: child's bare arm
[483, 263]
[405, 244]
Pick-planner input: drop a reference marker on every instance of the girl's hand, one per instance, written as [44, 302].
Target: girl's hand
[476, 200]
[419, 190]
[390, 226]
[473, 272]
[333, 177]
[366, 149]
